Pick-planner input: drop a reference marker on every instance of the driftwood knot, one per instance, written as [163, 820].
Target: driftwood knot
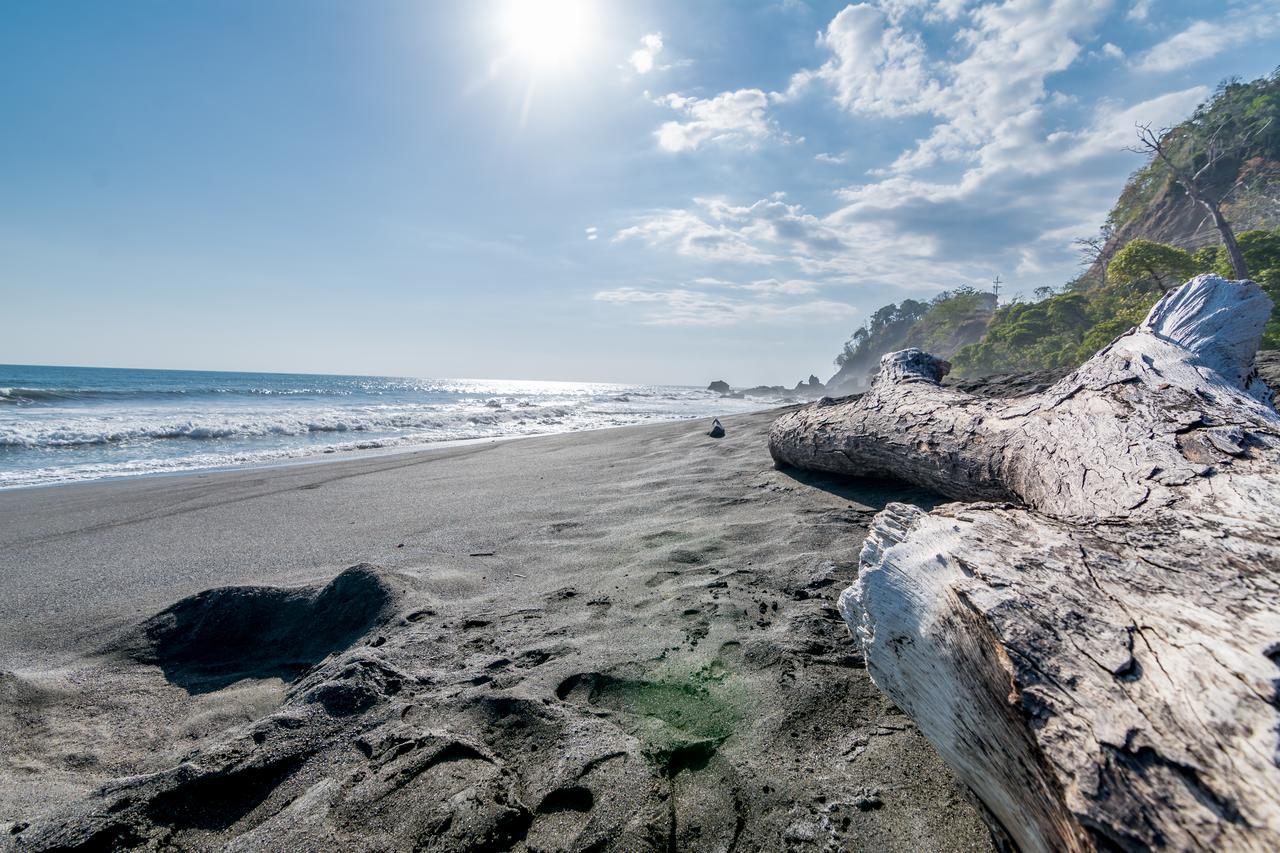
[912, 365]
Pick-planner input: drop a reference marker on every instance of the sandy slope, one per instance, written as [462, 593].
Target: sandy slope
[617, 640]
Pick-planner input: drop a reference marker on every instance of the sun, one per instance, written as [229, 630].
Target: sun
[548, 34]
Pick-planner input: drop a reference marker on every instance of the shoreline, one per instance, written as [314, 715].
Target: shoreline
[582, 603]
[363, 453]
[321, 458]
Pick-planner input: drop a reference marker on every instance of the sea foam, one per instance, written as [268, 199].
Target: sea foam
[67, 424]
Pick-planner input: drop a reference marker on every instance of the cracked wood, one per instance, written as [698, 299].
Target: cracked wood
[1092, 643]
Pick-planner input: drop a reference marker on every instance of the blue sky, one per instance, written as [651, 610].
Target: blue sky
[631, 191]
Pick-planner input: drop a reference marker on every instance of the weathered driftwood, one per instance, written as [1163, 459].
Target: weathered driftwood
[1095, 652]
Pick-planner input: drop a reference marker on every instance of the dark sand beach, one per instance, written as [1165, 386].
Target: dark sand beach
[623, 639]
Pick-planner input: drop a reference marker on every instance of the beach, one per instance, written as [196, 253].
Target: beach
[617, 639]
[78, 424]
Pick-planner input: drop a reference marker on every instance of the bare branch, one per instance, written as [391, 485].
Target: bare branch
[1090, 249]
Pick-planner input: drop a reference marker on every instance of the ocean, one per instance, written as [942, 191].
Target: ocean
[66, 424]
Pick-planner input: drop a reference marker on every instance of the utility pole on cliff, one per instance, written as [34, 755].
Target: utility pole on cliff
[995, 288]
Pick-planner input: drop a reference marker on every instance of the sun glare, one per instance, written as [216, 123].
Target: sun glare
[548, 34]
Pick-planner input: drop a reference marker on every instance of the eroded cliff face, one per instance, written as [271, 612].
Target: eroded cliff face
[1172, 217]
[1238, 132]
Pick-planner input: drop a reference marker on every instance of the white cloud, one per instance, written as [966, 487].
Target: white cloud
[642, 59]
[1204, 39]
[1015, 207]
[834, 159]
[767, 286]
[768, 230]
[1140, 10]
[1111, 51]
[687, 307]
[592, 232]
[1112, 127]
[801, 251]
[876, 67]
[730, 117]
[1003, 180]
[1036, 196]
[790, 287]
[949, 10]
[689, 234]
[933, 10]
[994, 109]
[987, 92]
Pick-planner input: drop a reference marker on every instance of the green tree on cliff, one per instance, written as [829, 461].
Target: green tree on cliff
[1167, 266]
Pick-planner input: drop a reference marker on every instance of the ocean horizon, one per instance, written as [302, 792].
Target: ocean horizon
[74, 424]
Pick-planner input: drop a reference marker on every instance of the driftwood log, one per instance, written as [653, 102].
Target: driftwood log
[1093, 640]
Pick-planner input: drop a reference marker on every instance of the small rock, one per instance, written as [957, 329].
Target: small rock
[717, 429]
[868, 801]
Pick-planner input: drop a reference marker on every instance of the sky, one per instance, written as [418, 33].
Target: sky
[640, 191]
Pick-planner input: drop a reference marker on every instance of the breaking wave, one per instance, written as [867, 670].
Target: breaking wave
[88, 430]
[68, 424]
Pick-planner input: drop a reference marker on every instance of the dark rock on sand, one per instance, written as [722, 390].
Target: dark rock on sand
[221, 636]
[766, 391]
[717, 429]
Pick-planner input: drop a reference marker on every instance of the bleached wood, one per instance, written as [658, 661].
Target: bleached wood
[1088, 683]
[1096, 655]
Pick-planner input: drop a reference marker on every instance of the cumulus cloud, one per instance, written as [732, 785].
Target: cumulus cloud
[994, 116]
[801, 251]
[1020, 212]
[932, 10]
[1140, 10]
[987, 90]
[1204, 39]
[730, 117]
[1006, 173]
[876, 66]
[1036, 198]
[642, 59]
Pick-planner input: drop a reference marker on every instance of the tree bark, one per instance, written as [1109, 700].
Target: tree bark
[1238, 267]
[1093, 643]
